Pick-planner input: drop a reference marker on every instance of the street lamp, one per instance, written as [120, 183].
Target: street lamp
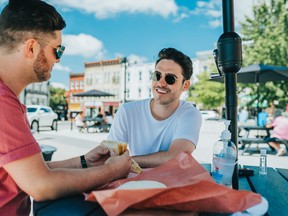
[124, 60]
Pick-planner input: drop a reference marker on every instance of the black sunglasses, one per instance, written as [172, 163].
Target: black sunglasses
[170, 79]
[58, 50]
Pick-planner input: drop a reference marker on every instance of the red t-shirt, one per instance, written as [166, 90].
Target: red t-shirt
[16, 142]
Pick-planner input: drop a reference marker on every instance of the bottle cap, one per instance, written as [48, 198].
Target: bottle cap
[263, 151]
[226, 135]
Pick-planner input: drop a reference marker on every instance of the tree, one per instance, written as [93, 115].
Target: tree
[265, 41]
[57, 97]
[211, 95]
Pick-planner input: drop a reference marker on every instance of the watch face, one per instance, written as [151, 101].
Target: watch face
[83, 161]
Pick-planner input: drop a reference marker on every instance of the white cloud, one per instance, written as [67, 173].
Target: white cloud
[60, 67]
[137, 59]
[58, 85]
[181, 17]
[133, 58]
[215, 23]
[105, 9]
[84, 45]
[213, 10]
[242, 8]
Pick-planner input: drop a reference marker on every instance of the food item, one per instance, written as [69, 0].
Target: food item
[135, 167]
[119, 148]
[142, 184]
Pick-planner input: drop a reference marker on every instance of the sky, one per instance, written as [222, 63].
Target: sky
[137, 29]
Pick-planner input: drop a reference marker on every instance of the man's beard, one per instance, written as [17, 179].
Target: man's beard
[41, 67]
[164, 100]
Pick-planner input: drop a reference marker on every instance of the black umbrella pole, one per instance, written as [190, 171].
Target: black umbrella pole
[230, 60]
[231, 109]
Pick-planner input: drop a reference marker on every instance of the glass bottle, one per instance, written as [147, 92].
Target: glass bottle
[263, 162]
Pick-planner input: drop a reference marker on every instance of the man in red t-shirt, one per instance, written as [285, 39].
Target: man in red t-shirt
[30, 44]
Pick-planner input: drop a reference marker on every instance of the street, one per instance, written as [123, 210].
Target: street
[72, 143]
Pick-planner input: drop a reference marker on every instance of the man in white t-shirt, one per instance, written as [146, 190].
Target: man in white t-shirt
[159, 128]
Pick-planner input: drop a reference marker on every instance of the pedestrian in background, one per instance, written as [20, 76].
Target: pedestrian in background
[280, 132]
[243, 115]
[262, 117]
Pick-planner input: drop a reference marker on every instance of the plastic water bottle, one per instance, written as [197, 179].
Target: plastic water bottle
[263, 162]
[224, 158]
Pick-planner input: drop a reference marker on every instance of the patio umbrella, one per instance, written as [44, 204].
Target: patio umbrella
[93, 93]
[259, 73]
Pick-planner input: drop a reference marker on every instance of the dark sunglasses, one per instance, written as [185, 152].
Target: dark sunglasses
[170, 79]
[58, 50]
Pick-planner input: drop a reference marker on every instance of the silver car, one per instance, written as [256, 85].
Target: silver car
[41, 116]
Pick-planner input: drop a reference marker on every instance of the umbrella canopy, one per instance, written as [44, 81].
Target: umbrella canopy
[93, 93]
[259, 73]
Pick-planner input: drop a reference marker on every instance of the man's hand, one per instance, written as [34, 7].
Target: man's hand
[121, 164]
[97, 156]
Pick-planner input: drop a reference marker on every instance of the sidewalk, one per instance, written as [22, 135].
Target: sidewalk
[72, 143]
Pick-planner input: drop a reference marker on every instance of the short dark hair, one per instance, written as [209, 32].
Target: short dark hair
[180, 58]
[20, 20]
[278, 112]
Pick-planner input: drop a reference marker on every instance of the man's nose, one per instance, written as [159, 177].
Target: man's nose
[162, 81]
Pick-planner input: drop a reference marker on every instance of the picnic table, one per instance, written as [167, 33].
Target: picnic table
[253, 135]
[95, 124]
[272, 186]
[258, 129]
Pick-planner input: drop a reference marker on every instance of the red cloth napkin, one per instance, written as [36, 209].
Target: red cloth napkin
[189, 188]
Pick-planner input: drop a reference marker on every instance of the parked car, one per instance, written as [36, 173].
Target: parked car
[41, 116]
[209, 114]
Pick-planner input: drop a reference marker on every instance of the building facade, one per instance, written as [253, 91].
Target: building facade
[106, 76]
[127, 81]
[36, 94]
[138, 81]
[76, 85]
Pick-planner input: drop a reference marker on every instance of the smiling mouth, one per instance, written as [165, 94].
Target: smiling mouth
[162, 91]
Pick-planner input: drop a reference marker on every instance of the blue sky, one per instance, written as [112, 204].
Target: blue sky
[137, 29]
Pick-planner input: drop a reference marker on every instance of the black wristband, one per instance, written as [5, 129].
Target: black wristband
[83, 161]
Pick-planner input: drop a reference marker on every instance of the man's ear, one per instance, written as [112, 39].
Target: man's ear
[31, 47]
[186, 85]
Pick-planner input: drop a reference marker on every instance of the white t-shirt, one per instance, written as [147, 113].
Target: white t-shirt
[135, 125]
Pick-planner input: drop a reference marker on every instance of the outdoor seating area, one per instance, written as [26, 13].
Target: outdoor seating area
[255, 135]
[93, 125]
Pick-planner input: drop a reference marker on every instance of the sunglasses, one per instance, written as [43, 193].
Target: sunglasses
[170, 79]
[58, 50]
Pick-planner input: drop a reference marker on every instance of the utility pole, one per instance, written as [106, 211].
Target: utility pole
[124, 60]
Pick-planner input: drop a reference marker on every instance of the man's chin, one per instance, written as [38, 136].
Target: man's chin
[43, 79]
[160, 101]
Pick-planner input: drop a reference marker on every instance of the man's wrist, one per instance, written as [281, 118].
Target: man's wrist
[83, 161]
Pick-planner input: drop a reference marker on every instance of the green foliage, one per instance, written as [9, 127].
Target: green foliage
[265, 42]
[211, 95]
[57, 97]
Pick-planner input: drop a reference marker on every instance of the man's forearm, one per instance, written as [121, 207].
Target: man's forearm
[153, 160]
[69, 163]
